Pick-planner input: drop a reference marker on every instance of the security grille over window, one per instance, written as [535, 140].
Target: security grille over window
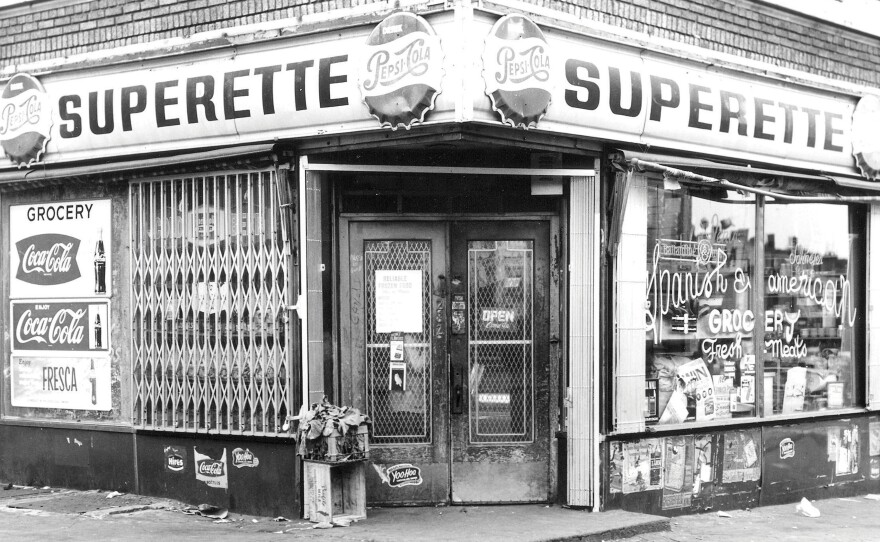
[401, 411]
[209, 276]
[500, 341]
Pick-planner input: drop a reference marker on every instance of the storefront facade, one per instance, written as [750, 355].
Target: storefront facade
[450, 221]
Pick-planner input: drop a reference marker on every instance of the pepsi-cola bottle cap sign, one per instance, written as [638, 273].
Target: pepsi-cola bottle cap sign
[401, 70]
[866, 150]
[517, 71]
[25, 119]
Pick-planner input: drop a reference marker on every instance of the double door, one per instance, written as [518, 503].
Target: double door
[445, 345]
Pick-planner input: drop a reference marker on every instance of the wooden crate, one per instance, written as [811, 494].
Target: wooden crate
[334, 491]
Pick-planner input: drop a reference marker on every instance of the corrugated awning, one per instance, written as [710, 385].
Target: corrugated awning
[643, 160]
[26, 176]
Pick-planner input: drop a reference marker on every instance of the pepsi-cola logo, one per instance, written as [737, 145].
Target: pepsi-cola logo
[401, 70]
[47, 259]
[517, 64]
[866, 151]
[25, 119]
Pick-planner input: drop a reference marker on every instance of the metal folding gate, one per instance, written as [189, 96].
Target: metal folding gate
[210, 265]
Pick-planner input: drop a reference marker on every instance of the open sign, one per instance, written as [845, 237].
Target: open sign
[498, 319]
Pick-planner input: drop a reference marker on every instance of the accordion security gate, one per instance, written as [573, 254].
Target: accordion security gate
[210, 266]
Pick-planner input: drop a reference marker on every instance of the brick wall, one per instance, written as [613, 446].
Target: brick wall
[747, 28]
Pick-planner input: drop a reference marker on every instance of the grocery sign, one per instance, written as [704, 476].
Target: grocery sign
[60, 250]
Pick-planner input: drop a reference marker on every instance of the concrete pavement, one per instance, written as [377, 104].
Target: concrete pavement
[54, 514]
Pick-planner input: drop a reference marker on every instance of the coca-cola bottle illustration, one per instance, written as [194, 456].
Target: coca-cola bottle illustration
[100, 265]
[98, 337]
[92, 380]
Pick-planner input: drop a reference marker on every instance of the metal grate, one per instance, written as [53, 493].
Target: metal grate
[500, 341]
[399, 416]
[209, 282]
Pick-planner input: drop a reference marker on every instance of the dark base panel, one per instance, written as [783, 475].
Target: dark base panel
[75, 459]
[261, 478]
[744, 468]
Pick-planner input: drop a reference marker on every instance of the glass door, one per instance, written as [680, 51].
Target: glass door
[499, 325]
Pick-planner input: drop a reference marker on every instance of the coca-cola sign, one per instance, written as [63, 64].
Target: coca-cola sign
[47, 259]
[70, 326]
[210, 470]
[61, 250]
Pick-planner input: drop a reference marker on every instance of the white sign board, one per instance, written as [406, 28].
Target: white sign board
[61, 382]
[60, 250]
[398, 301]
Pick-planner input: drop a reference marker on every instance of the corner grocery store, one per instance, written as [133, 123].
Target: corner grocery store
[587, 255]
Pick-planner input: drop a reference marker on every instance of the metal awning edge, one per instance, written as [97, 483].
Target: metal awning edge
[46, 173]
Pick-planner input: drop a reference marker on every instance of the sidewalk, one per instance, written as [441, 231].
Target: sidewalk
[38, 514]
[57, 514]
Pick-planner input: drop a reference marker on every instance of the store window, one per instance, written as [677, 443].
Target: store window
[700, 347]
[706, 307]
[209, 285]
[812, 298]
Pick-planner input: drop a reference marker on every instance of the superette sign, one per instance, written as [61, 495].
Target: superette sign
[612, 92]
[309, 86]
[300, 87]
[60, 250]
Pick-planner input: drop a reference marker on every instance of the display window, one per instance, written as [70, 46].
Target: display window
[813, 307]
[700, 347]
[725, 340]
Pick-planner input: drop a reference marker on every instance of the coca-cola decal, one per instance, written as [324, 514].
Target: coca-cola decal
[61, 250]
[59, 327]
[403, 474]
[25, 119]
[244, 458]
[175, 458]
[211, 470]
[401, 70]
[517, 71]
[47, 259]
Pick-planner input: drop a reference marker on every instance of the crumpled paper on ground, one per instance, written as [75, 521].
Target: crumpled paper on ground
[806, 508]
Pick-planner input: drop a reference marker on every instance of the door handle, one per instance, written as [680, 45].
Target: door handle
[457, 391]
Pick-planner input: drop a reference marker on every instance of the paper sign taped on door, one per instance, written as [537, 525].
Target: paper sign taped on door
[398, 301]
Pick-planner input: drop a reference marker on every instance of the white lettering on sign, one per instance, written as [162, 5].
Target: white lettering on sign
[13, 117]
[63, 328]
[529, 62]
[729, 321]
[388, 67]
[834, 296]
[498, 315]
[55, 259]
